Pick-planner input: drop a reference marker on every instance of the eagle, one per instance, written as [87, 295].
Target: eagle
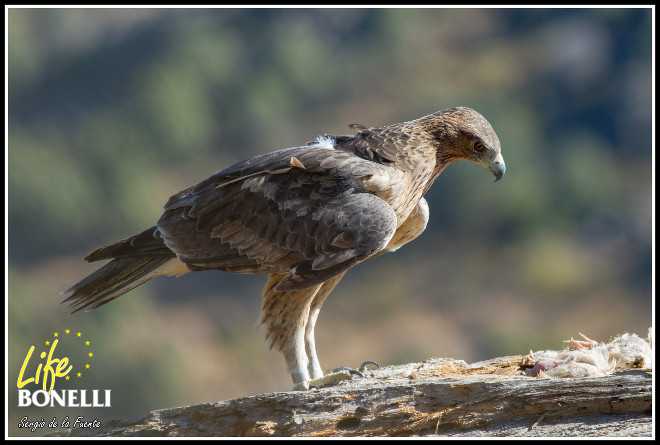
[303, 216]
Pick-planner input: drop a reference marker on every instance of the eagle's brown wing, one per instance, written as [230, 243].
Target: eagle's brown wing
[298, 211]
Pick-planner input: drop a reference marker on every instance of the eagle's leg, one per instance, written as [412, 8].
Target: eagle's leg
[314, 367]
[285, 315]
[289, 318]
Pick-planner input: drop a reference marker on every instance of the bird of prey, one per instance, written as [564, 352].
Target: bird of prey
[301, 215]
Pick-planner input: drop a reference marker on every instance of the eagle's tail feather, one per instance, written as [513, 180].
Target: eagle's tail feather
[148, 243]
[118, 277]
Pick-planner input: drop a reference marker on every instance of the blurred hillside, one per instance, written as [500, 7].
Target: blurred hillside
[111, 111]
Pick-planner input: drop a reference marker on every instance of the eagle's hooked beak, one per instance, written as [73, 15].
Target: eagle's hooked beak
[497, 167]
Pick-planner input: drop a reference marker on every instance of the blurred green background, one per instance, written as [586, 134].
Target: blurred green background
[111, 111]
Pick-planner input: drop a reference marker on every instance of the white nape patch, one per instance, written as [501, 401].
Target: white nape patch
[324, 142]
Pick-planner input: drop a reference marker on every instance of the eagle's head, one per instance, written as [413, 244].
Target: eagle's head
[461, 133]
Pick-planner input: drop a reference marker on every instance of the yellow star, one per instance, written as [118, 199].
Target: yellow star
[79, 334]
[87, 342]
[66, 331]
[55, 334]
[66, 378]
[79, 374]
[91, 354]
[47, 342]
[87, 366]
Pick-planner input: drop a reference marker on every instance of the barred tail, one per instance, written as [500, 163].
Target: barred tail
[118, 277]
[135, 261]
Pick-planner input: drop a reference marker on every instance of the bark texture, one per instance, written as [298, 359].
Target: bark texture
[441, 397]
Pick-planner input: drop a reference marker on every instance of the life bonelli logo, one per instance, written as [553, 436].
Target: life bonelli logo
[37, 388]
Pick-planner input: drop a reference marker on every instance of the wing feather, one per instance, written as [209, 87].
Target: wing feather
[269, 214]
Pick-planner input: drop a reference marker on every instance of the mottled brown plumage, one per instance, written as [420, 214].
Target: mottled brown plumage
[302, 215]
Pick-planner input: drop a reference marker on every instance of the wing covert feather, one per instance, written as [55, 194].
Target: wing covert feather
[300, 211]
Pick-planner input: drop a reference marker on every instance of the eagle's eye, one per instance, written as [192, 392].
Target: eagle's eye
[479, 146]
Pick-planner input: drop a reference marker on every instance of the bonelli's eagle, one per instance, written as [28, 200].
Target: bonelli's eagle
[301, 215]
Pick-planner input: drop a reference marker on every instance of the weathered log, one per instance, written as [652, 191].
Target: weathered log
[436, 397]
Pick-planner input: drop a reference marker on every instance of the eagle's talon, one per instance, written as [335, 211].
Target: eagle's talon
[349, 370]
[360, 370]
[363, 366]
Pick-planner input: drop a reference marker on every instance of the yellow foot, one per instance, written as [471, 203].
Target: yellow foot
[326, 380]
[337, 375]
